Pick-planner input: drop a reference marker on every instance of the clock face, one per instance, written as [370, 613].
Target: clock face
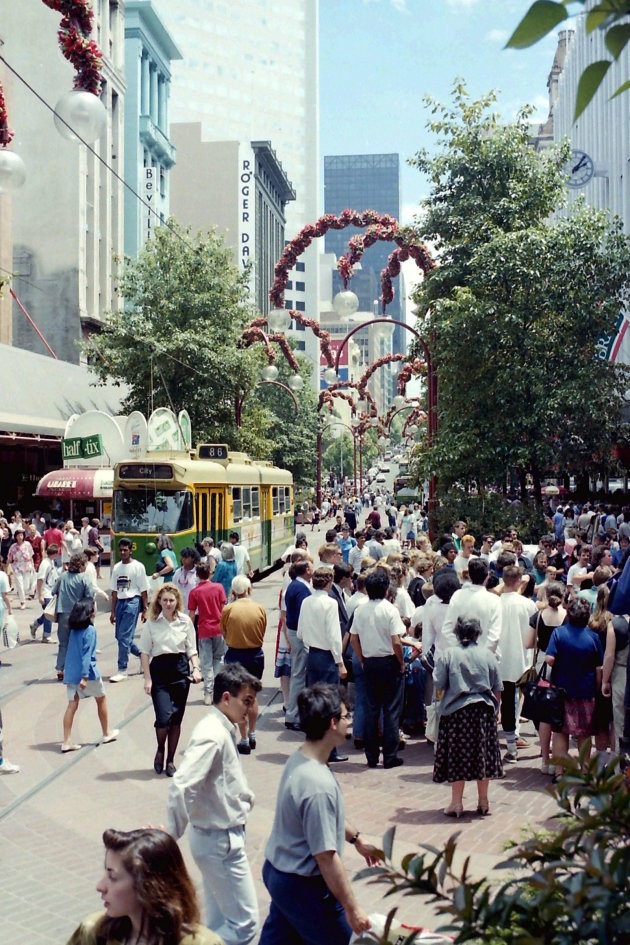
[580, 168]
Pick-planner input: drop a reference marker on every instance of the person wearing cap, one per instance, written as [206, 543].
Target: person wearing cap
[346, 542]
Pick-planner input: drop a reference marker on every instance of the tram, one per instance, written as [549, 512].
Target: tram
[210, 491]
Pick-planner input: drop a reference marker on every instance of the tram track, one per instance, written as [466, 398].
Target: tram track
[75, 758]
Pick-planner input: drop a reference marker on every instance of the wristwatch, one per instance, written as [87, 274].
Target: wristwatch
[354, 839]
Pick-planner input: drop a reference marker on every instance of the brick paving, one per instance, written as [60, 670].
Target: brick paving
[53, 813]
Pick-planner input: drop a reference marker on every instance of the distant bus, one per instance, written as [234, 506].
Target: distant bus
[210, 492]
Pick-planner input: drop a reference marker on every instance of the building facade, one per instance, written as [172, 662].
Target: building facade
[149, 152]
[239, 188]
[250, 73]
[600, 140]
[67, 220]
[367, 182]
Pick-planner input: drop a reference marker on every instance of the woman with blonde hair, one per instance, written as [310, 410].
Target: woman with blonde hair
[147, 893]
[168, 653]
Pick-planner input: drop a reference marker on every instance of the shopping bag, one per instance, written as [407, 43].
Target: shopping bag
[10, 632]
[51, 608]
[431, 728]
[543, 702]
[398, 933]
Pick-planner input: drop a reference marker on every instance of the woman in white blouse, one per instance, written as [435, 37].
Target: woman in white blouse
[168, 655]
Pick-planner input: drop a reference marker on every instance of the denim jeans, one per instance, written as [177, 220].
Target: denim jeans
[43, 619]
[298, 676]
[231, 907]
[127, 611]
[303, 911]
[211, 653]
[63, 635]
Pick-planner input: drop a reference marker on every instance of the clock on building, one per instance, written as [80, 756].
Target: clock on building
[580, 168]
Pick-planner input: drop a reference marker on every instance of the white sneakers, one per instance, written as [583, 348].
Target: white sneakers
[111, 736]
[7, 768]
[118, 677]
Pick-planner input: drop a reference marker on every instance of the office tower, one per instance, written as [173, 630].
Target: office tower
[250, 73]
[365, 182]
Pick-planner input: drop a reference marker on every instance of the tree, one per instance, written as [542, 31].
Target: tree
[610, 15]
[567, 886]
[516, 308]
[339, 455]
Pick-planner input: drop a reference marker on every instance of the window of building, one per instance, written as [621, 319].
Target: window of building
[289, 284]
[300, 267]
[288, 303]
[300, 306]
[300, 287]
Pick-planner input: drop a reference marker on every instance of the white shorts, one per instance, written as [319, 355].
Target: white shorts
[94, 687]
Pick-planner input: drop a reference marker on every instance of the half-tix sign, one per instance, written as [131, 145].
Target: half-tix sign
[82, 447]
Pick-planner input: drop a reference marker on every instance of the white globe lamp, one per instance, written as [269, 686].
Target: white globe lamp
[295, 382]
[12, 171]
[345, 304]
[80, 114]
[278, 319]
[398, 401]
[269, 373]
[330, 375]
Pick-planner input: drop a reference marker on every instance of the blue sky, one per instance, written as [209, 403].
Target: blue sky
[379, 57]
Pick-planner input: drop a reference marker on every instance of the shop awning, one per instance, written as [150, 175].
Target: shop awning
[79, 483]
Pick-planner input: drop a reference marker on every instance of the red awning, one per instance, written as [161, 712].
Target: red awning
[78, 483]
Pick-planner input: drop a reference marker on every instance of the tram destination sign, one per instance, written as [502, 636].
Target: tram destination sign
[212, 451]
[145, 471]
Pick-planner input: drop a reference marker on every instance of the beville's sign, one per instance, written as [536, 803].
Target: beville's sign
[82, 447]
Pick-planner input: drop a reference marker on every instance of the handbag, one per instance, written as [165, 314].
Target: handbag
[10, 632]
[529, 676]
[544, 702]
[50, 609]
[346, 656]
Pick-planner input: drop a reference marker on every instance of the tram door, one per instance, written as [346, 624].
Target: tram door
[211, 515]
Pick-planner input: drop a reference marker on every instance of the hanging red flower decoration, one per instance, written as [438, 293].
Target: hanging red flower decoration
[74, 39]
[6, 134]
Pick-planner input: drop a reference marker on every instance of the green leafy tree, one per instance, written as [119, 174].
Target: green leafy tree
[516, 309]
[176, 344]
[610, 16]
[566, 886]
[338, 455]
[292, 437]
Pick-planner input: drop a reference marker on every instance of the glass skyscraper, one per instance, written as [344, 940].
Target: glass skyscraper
[365, 182]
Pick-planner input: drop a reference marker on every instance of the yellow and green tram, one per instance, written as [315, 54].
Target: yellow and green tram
[191, 495]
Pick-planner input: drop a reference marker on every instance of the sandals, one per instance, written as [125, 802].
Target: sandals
[483, 809]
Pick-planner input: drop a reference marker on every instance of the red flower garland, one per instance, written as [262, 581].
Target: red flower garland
[6, 134]
[76, 46]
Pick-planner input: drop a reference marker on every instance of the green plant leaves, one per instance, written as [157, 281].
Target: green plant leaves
[542, 17]
[590, 81]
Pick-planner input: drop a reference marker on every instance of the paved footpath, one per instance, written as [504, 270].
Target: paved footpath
[53, 813]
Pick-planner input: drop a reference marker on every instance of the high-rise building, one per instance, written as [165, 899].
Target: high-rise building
[250, 73]
[149, 152]
[67, 222]
[366, 182]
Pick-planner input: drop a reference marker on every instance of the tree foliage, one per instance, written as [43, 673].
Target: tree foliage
[516, 310]
[177, 343]
[567, 886]
[610, 16]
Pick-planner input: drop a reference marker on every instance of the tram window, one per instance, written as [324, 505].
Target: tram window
[287, 499]
[247, 502]
[152, 510]
[255, 502]
[238, 503]
[275, 501]
[281, 501]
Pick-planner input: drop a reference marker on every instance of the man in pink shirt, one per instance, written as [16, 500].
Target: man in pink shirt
[208, 600]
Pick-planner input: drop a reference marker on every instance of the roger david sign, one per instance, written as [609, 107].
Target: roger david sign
[82, 447]
[247, 209]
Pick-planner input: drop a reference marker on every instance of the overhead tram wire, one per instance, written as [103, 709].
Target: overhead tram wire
[95, 153]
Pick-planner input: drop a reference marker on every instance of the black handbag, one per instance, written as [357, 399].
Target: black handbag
[543, 702]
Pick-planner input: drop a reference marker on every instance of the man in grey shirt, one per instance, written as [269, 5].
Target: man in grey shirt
[311, 898]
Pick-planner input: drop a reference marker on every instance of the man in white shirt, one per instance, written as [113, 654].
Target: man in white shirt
[129, 586]
[46, 580]
[474, 601]
[210, 792]
[376, 632]
[463, 558]
[516, 611]
[357, 554]
[241, 555]
[85, 532]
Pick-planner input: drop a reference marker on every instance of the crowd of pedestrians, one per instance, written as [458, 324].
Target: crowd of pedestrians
[432, 639]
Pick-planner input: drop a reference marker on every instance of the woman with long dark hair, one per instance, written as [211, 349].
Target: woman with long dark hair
[147, 893]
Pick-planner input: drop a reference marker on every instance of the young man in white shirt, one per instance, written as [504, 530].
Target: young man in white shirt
[210, 792]
[516, 611]
[129, 586]
[241, 554]
[46, 579]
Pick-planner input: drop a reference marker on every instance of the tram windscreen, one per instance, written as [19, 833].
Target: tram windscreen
[152, 510]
